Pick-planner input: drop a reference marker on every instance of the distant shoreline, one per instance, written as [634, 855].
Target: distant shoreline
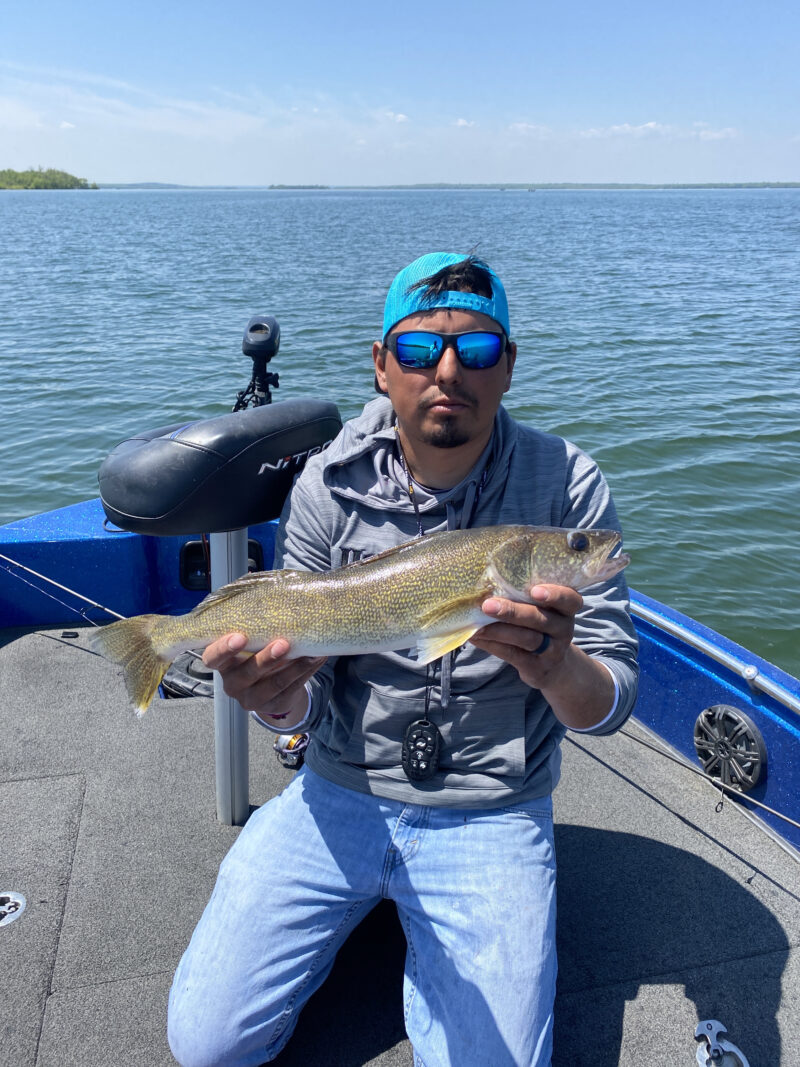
[499, 186]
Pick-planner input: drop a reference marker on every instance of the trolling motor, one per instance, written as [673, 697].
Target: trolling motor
[261, 341]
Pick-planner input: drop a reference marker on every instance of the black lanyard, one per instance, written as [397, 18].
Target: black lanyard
[422, 741]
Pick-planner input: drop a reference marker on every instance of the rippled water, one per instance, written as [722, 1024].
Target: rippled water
[657, 329]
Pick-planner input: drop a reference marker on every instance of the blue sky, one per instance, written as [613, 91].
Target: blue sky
[253, 93]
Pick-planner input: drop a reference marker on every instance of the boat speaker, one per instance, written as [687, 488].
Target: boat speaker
[730, 747]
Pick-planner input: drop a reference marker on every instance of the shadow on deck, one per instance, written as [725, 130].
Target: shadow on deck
[669, 911]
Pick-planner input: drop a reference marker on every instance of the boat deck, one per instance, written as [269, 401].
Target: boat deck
[669, 910]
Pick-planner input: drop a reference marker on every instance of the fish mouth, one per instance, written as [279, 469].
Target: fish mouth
[607, 565]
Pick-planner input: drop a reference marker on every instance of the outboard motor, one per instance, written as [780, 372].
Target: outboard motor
[219, 476]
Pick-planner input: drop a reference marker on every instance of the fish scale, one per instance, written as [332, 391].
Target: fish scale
[424, 594]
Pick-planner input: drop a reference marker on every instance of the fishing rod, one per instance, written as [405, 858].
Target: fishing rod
[58, 585]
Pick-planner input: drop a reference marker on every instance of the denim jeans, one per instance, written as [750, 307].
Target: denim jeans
[475, 892]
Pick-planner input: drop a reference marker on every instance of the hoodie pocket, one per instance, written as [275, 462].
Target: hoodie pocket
[484, 739]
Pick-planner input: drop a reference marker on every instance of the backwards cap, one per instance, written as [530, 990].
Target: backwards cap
[401, 300]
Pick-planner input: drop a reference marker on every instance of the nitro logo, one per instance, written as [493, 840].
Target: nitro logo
[297, 459]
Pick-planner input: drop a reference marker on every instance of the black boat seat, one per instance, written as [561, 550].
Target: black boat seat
[217, 474]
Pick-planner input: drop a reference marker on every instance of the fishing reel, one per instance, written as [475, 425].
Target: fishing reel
[261, 341]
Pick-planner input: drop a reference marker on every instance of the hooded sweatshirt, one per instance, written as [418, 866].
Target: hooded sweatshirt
[500, 740]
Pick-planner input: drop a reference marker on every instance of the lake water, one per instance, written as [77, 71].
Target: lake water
[657, 329]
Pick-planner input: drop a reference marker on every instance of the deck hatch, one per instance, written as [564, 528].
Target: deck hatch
[12, 906]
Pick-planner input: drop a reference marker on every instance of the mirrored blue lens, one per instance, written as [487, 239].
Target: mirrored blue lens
[476, 350]
[418, 349]
[479, 349]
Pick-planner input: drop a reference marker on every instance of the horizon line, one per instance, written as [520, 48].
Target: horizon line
[298, 186]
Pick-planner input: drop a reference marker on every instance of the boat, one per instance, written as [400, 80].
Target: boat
[678, 838]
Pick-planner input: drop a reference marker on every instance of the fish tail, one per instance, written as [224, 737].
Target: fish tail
[130, 644]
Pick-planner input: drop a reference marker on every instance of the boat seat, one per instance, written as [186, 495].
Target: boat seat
[214, 475]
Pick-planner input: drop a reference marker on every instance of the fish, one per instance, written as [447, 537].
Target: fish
[424, 594]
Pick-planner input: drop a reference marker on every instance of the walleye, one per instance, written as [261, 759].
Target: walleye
[424, 594]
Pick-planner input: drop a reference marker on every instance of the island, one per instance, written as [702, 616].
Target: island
[42, 179]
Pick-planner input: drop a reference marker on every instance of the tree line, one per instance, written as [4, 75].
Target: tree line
[42, 179]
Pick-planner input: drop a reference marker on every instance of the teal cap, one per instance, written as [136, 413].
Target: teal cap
[402, 300]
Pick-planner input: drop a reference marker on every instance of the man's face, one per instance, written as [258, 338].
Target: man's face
[447, 405]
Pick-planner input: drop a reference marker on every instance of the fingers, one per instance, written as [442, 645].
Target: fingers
[230, 650]
[534, 638]
[276, 691]
[524, 624]
[265, 680]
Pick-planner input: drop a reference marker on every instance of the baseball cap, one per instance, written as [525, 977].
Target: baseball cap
[403, 300]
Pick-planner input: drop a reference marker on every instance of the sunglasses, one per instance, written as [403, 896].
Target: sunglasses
[418, 348]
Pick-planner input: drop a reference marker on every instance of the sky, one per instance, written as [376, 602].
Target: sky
[358, 93]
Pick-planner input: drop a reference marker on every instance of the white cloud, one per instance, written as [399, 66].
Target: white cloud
[296, 134]
[625, 129]
[386, 115]
[706, 133]
[530, 129]
[699, 131]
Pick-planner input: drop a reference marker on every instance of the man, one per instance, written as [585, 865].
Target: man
[465, 848]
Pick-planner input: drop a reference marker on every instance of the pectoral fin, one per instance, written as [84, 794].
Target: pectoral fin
[453, 609]
[438, 645]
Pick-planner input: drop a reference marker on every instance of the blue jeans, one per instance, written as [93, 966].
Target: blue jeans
[475, 892]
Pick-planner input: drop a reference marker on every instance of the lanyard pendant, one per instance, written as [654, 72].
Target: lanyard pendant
[422, 744]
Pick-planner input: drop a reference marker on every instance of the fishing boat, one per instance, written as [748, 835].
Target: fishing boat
[678, 838]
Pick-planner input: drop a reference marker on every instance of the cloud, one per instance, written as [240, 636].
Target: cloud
[625, 129]
[18, 116]
[703, 131]
[385, 115]
[530, 129]
[297, 134]
[698, 131]
[103, 106]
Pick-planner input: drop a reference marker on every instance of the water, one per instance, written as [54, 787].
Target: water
[657, 329]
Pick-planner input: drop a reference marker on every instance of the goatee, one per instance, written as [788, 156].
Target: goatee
[448, 434]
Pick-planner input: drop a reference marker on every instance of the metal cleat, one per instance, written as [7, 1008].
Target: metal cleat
[717, 1051]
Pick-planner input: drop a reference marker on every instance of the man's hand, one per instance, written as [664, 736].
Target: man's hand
[579, 690]
[265, 681]
[523, 629]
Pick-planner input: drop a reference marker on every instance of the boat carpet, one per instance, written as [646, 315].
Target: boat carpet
[669, 910]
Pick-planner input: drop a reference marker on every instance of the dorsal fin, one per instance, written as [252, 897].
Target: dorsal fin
[266, 578]
[404, 547]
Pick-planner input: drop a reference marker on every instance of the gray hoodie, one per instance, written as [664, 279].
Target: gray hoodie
[500, 738]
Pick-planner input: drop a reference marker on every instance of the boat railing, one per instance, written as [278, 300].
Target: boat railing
[749, 672]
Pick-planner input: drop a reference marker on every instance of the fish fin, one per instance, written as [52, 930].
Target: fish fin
[438, 645]
[129, 643]
[225, 592]
[457, 606]
[406, 546]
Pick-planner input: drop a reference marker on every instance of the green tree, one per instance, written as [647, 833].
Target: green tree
[41, 179]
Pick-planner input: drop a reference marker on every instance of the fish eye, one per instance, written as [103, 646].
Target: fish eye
[577, 541]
